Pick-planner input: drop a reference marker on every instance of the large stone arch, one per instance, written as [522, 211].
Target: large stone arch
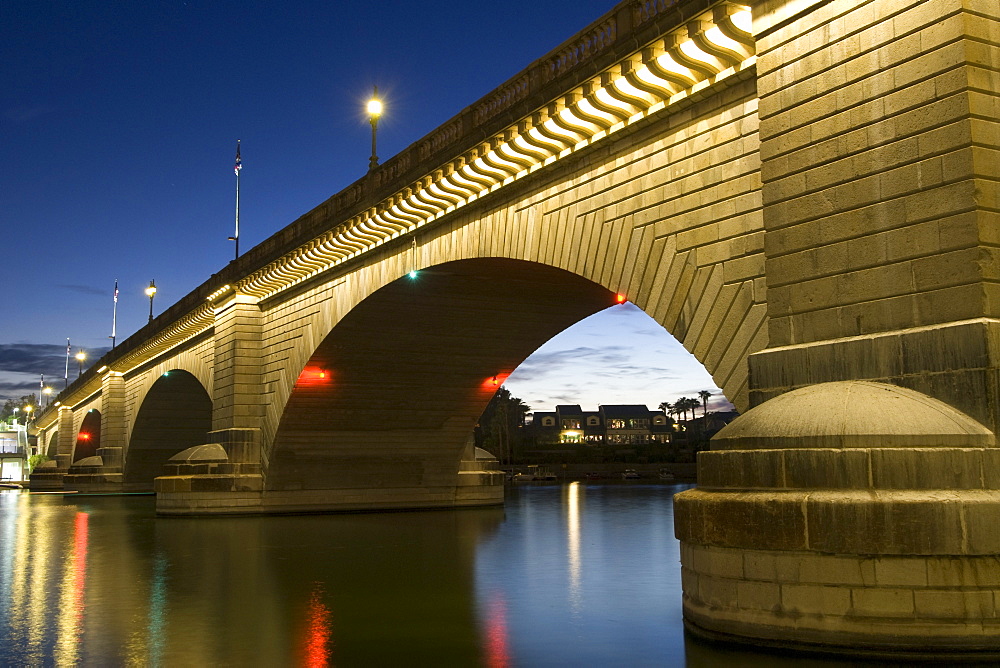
[390, 396]
[88, 436]
[175, 414]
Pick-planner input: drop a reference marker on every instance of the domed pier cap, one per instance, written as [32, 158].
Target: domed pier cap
[852, 414]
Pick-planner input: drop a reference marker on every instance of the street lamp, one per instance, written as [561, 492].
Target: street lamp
[151, 292]
[80, 357]
[27, 414]
[48, 395]
[374, 111]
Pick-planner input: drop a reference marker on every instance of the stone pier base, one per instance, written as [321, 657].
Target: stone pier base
[826, 529]
[203, 481]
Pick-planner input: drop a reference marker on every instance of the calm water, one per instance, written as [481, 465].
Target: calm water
[564, 575]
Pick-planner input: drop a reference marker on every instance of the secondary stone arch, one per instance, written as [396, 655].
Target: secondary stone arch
[175, 414]
[88, 436]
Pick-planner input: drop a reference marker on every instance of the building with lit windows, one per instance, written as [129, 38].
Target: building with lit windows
[13, 452]
[621, 424]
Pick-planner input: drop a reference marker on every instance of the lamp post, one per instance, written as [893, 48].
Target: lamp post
[27, 414]
[374, 111]
[151, 292]
[48, 395]
[80, 357]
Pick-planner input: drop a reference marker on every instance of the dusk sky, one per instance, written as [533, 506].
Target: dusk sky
[120, 123]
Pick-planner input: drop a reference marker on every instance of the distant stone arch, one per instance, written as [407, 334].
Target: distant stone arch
[175, 414]
[88, 438]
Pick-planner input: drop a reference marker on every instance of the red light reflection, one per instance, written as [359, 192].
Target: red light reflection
[318, 631]
[497, 652]
[78, 580]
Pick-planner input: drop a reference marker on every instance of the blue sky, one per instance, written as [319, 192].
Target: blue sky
[120, 123]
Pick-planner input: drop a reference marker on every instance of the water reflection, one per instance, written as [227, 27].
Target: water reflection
[573, 543]
[317, 642]
[563, 575]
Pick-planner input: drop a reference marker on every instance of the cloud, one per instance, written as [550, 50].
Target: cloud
[38, 358]
[546, 364]
[23, 364]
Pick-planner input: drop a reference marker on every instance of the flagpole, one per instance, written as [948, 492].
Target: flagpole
[237, 168]
[114, 317]
[66, 372]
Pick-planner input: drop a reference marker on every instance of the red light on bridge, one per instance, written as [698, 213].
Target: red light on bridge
[314, 375]
[620, 298]
[493, 383]
[84, 436]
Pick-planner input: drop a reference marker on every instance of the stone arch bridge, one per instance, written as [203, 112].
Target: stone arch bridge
[803, 192]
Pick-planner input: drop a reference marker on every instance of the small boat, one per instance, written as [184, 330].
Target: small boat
[630, 474]
[666, 475]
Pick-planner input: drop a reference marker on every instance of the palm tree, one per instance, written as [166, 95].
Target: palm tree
[704, 395]
[667, 408]
[681, 406]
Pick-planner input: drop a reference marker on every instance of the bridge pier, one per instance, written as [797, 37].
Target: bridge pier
[226, 472]
[863, 515]
[104, 472]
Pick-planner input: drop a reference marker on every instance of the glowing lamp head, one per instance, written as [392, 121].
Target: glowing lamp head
[374, 107]
[80, 356]
[413, 274]
[151, 290]
[620, 298]
[29, 408]
[84, 436]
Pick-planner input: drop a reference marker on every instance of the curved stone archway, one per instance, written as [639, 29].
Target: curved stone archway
[390, 397]
[52, 445]
[88, 438]
[176, 414]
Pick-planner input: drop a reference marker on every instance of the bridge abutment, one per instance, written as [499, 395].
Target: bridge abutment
[49, 475]
[823, 519]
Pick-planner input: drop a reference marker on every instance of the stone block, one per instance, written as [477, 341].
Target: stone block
[927, 468]
[884, 523]
[740, 519]
[716, 562]
[882, 602]
[826, 469]
[900, 572]
[815, 599]
[827, 569]
[970, 605]
[981, 521]
[717, 592]
[758, 595]
[771, 566]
